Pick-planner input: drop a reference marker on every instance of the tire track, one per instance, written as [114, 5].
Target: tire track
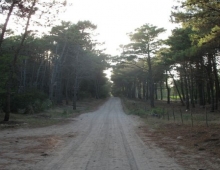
[107, 141]
[102, 142]
[129, 153]
[73, 146]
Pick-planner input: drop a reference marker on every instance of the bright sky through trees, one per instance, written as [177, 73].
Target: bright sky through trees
[116, 18]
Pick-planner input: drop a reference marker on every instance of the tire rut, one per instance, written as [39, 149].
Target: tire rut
[107, 140]
[73, 146]
[129, 153]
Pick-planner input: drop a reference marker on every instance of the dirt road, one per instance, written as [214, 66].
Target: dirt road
[102, 140]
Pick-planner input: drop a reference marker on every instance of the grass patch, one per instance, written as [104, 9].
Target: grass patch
[51, 116]
[171, 113]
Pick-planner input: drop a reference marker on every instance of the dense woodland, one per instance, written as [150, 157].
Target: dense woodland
[64, 65]
[187, 62]
[43, 69]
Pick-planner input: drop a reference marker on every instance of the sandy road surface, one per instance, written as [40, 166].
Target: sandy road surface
[102, 140]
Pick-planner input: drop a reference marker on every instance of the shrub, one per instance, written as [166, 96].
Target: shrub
[139, 112]
[41, 105]
[33, 98]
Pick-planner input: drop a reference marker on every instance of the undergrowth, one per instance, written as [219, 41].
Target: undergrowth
[170, 113]
[54, 115]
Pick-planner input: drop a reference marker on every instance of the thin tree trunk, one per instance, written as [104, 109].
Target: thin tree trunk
[76, 83]
[200, 83]
[59, 74]
[6, 23]
[186, 87]
[147, 91]
[177, 89]
[217, 88]
[155, 89]
[75, 89]
[67, 89]
[161, 90]
[38, 73]
[44, 75]
[191, 87]
[211, 83]
[168, 90]
[25, 74]
[151, 83]
[182, 87]
[97, 88]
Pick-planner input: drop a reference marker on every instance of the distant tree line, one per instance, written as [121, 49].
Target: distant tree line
[189, 58]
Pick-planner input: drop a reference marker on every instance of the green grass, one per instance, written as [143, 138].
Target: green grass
[165, 113]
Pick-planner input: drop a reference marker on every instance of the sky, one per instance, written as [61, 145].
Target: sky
[116, 18]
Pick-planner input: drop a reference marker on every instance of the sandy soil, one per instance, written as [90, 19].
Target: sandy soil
[102, 140]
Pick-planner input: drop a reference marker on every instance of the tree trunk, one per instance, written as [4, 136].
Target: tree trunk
[200, 83]
[211, 83]
[44, 75]
[24, 74]
[96, 89]
[144, 89]
[151, 83]
[177, 89]
[38, 73]
[139, 91]
[8, 101]
[168, 90]
[155, 89]
[75, 89]
[161, 90]
[216, 76]
[147, 90]
[6, 23]
[11, 76]
[186, 87]
[66, 91]
[182, 87]
[76, 81]
[191, 87]
[200, 86]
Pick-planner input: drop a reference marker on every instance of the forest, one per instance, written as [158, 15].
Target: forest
[64, 64]
[40, 69]
[56, 104]
[187, 62]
